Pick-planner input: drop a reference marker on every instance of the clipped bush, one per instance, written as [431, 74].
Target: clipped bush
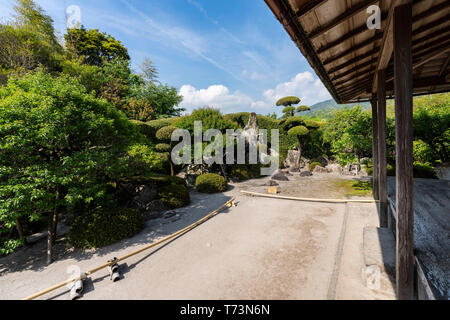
[165, 133]
[245, 172]
[102, 228]
[163, 147]
[174, 196]
[424, 171]
[313, 165]
[211, 183]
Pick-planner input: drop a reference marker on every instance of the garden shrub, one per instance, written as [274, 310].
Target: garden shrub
[313, 165]
[424, 171]
[174, 196]
[163, 147]
[102, 228]
[211, 183]
[246, 171]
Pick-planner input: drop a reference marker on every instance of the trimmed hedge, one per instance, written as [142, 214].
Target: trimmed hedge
[246, 171]
[313, 165]
[102, 228]
[174, 196]
[211, 183]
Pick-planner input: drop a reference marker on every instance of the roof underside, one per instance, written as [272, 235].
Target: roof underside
[334, 37]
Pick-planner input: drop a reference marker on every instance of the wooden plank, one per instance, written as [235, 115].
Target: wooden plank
[355, 48]
[382, 155]
[375, 147]
[309, 6]
[402, 39]
[354, 60]
[342, 18]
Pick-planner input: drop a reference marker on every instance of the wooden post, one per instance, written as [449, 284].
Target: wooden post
[375, 147]
[404, 147]
[382, 160]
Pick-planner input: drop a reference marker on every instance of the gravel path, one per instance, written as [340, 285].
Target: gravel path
[261, 249]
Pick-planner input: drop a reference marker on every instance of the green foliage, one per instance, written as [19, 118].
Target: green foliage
[163, 147]
[313, 165]
[210, 118]
[174, 196]
[303, 109]
[246, 171]
[288, 112]
[424, 171]
[211, 183]
[165, 133]
[31, 16]
[60, 146]
[423, 153]
[349, 132]
[298, 131]
[150, 101]
[432, 126]
[105, 227]
[288, 101]
[94, 47]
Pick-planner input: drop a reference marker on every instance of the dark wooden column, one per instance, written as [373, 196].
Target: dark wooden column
[404, 147]
[382, 160]
[375, 147]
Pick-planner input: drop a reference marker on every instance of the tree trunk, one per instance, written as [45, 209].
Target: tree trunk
[51, 232]
[20, 231]
[300, 153]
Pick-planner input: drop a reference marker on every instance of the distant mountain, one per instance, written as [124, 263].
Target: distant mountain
[325, 108]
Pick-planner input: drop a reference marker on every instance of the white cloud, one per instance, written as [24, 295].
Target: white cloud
[216, 96]
[303, 85]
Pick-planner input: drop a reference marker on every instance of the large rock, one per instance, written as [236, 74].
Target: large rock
[292, 159]
[323, 161]
[335, 168]
[319, 169]
[138, 196]
[306, 174]
[280, 176]
[272, 183]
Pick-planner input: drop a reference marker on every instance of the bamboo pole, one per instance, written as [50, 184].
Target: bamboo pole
[309, 199]
[105, 265]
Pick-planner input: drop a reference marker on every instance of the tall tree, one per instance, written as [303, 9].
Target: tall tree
[94, 47]
[149, 71]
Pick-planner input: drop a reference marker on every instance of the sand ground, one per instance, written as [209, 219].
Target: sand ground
[261, 249]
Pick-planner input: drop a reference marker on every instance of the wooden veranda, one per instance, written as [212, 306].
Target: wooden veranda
[407, 55]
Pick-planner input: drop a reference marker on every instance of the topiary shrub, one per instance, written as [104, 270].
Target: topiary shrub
[424, 171]
[102, 228]
[313, 165]
[165, 133]
[163, 147]
[174, 196]
[211, 183]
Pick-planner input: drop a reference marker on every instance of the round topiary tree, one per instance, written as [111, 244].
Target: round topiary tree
[288, 103]
[211, 183]
[303, 108]
[164, 135]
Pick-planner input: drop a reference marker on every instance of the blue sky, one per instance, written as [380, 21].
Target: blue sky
[229, 54]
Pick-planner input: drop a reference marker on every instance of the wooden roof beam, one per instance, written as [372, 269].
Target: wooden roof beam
[355, 59]
[444, 66]
[342, 18]
[387, 42]
[349, 35]
[308, 7]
